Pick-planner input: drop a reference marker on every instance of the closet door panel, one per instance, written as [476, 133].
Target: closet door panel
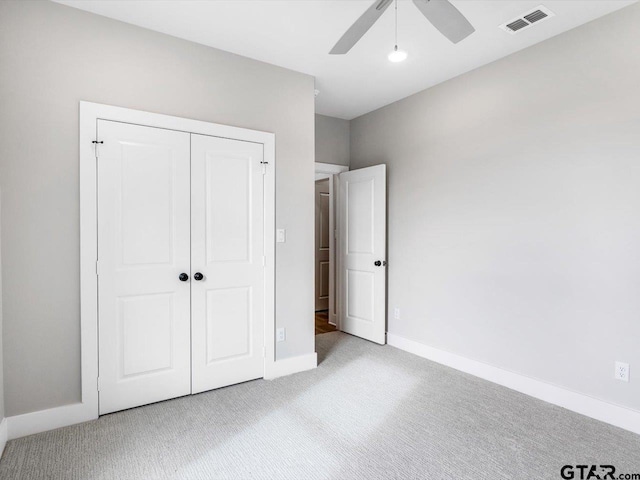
[227, 232]
[143, 246]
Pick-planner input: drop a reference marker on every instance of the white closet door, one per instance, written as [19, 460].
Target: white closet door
[363, 251]
[143, 247]
[227, 234]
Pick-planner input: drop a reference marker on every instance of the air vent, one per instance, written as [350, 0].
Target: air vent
[527, 19]
[517, 25]
[535, 16]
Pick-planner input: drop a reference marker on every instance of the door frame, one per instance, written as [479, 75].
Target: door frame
[90, 113]
[331, 172]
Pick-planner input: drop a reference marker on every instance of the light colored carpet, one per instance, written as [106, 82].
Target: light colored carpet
[367, 412]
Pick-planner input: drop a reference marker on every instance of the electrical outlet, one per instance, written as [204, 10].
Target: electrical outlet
[281, 235]
[281, 335]
[622, 372]
[396, 313]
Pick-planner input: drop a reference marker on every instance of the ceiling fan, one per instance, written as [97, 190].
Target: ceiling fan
[441, 13]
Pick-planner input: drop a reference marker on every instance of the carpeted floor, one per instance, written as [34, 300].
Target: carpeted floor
[367, 412]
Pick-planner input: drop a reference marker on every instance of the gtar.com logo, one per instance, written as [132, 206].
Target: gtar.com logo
[595, 472]
[585, 472]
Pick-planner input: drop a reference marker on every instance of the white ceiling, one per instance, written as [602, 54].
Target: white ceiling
[299, 34]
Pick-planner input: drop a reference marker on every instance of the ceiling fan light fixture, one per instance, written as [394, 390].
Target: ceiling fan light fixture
[397, 55]
[446, 18]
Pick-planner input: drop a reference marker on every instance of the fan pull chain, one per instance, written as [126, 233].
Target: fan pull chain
[396, 8]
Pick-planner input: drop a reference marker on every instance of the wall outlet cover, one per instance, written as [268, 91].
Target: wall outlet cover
[281, 335]
[622, 371]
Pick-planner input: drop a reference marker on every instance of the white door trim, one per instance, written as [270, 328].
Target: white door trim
[330, 171]
[3, 435]
[89, 114]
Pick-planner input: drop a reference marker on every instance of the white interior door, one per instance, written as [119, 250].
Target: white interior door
[322, 244]
[143, 247]
[227, 225]
[363, 249]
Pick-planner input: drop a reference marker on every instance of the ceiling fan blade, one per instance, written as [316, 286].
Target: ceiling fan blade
[446, 18]
[360, 27]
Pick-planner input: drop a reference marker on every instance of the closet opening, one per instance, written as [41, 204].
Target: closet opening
[177, 257]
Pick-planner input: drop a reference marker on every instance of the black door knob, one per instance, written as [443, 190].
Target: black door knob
[377, 263]
[183, 277]
[198, 276]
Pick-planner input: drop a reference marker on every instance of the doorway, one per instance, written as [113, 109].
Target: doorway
[325, 298]
[350, 251]
[323, 249]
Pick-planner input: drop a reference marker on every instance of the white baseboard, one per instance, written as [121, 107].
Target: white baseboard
[43, 420]
[3, 435]
[280, 368]
[577, 402]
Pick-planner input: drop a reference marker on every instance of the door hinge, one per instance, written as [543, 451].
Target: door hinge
[98, 383]
[97, 267]
[95, 144]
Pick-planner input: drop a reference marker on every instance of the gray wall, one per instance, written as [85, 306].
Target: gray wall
[514, 209]
[53, 56]
[332, 140]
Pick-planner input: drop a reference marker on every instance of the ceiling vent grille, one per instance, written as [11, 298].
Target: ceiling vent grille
[517, 25]
[527, 19]
[535, 16]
